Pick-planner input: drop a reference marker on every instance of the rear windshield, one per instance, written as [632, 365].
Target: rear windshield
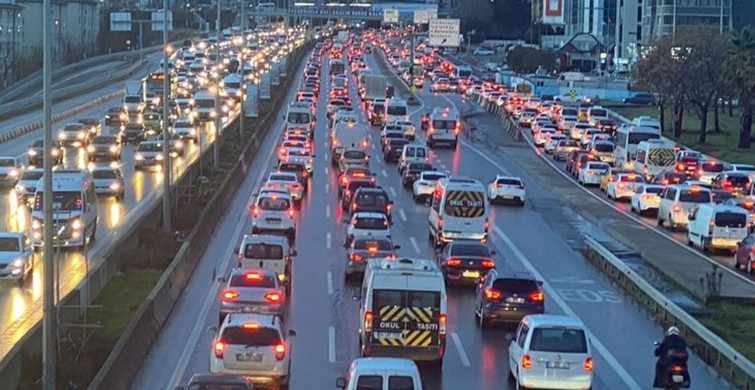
[353, 154]
[632, 178]
[558, 340]
[9, 244]
[244, 280]
[604, 148]
[510, 182]
[298, 117]
[420, 167]
[569, 112]
[733, 220]
[274, 204]
[261, 337]
[470, 250]
[104, 174]
[444, 124]
[708, 167]
[694, 196]
[598, 113]
[370, 223]
[263, 251]
[381, 245]
[396, 110]
[598, 166]
[738, 180]
[433, 176]
[291, 167]
[396, 382]
[282, 178]
[371, 199]
[519, 286]
[7, 162]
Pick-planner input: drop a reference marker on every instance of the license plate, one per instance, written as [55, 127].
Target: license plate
[558, 365]
[388, 335]
[507, 197]
[273, 221]
[677, 378]
[515, 300]
[471, 274]
[248, 357]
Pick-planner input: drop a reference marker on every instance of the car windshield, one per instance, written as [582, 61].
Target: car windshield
[61, 201]
[104, 140]
[396, 110]
[252, 279]
[204, 103]
[444, 124]
[31, 175]
[370, 223]
[557, 339]
[509, 182]
[470, 250]
[104, 174]
[132, 99]
[598, 166]
[604, 148]
[712, 167]
[636, 138]
[694, 195]
[298, 117]
[7, 162]
[431, 176]
[371, 199]
[149, 147]
[738, 181]
[281, 178]
[263, 251]
[367, 244]
[10, 244]
[257, 337]
[354, 154]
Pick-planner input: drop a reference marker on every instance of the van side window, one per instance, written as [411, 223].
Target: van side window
[370, 382]
[522, 335]
[396, 382]
[671, 194]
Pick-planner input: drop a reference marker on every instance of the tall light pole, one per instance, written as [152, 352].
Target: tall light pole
[241, 68]
[218, 114]
[49, 320]
[166, 120]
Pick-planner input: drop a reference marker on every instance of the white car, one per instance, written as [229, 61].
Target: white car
[646, 198]
[424, 187]
[148, 154]
[552, 140]
[364, 224]
[288, 181]
[273, 212]
[410, 132]
[27, 184]
[254, 346]
[541, 135]
[483, 52]
[507, 189]
[334, 105]
[185, 130]
[623, 185]
[551, 352]
[16, 256]
[592, 173]
[11, 170]
[109, 181]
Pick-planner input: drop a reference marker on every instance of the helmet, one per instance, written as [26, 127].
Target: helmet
[672, 330]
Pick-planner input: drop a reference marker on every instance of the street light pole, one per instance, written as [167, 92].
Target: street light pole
[166, 119]
[218, 114]
[241, 69]
[49, 320]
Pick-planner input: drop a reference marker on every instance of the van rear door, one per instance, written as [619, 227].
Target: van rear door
[406, 319]
[259, 255]
[729, 226]
[464, 212]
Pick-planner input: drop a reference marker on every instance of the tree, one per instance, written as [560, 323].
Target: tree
[528, 60]
[663, 72]
[739, 69]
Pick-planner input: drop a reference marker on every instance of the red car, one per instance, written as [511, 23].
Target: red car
[745, 255]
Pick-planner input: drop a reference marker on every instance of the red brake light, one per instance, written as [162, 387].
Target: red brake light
[372, 249]
[282, 150]
[253, 276]
[256, 211]
[676, 368]
[356, 257]
[452, 262]
[344, 180]
[526, 362]
[488, 263]
[677, 208]
[280, 351]
[230, 295]
[492, 295]
[291, 213]
[589, 365]
[219, 349]
[368, 321]
[442, 321]
[273, 297]
[537, 296]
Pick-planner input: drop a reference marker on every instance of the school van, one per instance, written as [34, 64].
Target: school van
[458, 211]
[74, 209]
[265, 251]
[395, 110]
[381, 374]
[653, 157]
[403, 310]
[444, 127]
[626, 140]
[714, 227]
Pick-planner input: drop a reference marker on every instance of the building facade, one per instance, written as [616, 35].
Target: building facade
[628, 32]
[11, 34]
[664, 17]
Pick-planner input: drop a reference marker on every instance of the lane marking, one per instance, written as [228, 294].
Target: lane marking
[327, 188]
[327, 169]
[392, 191]
[332, 344]
[402, 214]
[414, 244]
[330, 282]
[327, 240]
[385, 174]
[327, 211]
[460, 349]
[602, 350]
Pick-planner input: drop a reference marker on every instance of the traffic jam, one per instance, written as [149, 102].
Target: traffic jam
[405, 302]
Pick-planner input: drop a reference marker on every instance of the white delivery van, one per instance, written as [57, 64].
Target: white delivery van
[74, 209]
[458, 211]
[596, 114]
[204, 106]
[402, 311]
[396, 110]
[444, 127]
[347, 135]
[653, 157]
[412, 153]
[266, 251]
[714, 227]
[626, 140]
[299, 116]
[678, 201]
[381, 374]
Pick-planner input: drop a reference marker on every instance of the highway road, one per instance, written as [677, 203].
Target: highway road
[325, 316]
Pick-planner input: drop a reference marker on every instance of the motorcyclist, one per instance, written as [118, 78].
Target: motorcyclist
[671, 343]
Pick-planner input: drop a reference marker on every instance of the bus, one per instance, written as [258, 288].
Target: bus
[152, 87]
[463, 72]
[627, 137]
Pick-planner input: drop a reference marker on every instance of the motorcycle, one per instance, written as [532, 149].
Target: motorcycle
[675, 375]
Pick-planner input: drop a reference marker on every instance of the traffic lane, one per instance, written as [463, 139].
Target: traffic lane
[86, 74]
[183, 346]
[582, 288]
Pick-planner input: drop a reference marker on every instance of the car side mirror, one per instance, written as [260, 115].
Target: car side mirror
[493, 253]
[374, 173]
[656, 343]
[341, 382]
[691, 218]
[236, 250]
[739, 243]
[221, 280]
[294, 253]
[291, 332]
[356, 297]
[539, 282]
[397, 247]
[345, 244]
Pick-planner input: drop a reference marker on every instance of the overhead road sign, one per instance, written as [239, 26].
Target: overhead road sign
[423, 16]
[157, 21]
[444, 33]
[390, 16]
[120, 21]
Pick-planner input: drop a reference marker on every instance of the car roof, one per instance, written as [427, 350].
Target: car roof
[539, 320]
[268, 321]
[264, 238]
[367, 214]
[262, 271]
[384, 363]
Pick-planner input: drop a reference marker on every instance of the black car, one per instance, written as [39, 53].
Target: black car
[412, 173]
[351, 188]
[666, 177]
[465, 261]
[720, 196]
[508, 297]
[392, 151]
[133, 133]
[115, 116]
[361, 249]
[299, 168]
[641, 98]
[36, 152]
[607, 125]
[371, 199]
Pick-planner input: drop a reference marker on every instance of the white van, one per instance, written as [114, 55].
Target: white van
[678, 201]
[396, 110]
[299, 116]
[444, 127]
[626, 140]
[204, 106]
[381, 374]
[653, 157]
[596, 114]
[264, 251]
[714, 227]
[74, 209]
[412, 153]
[402, 311]
[458, 211]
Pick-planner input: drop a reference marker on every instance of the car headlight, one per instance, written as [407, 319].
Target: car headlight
[122, 116]
[13, 173]
[115, 186]
[113, 149]
[61, 135]
[55, 152]
[76, 224]
[18, 263]
[80, 135]
[35, 224]
[159, 157]
[20, 189]
[179, 144]
[90, 149]
[192, 131]
[138, 157]
[32, 152]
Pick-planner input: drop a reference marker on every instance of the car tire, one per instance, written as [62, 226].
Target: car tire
[659, 221]
[705, 245]
[748, 266]
[453, 145]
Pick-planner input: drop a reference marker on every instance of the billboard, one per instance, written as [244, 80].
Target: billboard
[444, 33]
[553, 12]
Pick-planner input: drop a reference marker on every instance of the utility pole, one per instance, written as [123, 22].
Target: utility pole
[218, 112]
[241, 69]
[49, 320]
[167, 173]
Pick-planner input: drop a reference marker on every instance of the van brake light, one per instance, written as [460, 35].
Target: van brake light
[442, 321]
[368, 322]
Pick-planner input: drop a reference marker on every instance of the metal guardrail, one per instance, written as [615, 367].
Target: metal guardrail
[711, 348]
